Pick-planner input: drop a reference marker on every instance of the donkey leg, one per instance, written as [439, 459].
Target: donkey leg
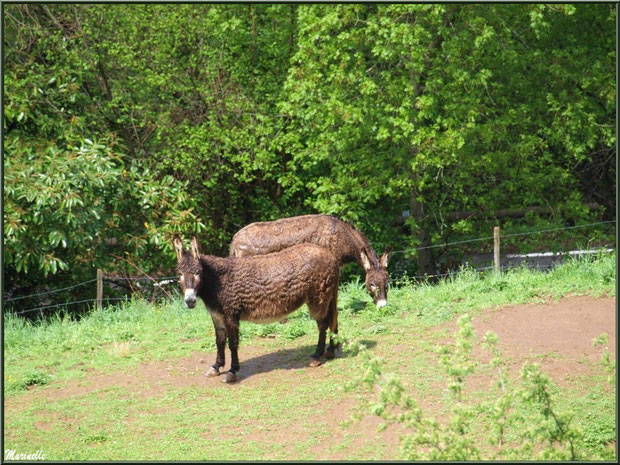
[333, 327]
[320, 347]
[220, 341]
[232, 328]
[330, 352]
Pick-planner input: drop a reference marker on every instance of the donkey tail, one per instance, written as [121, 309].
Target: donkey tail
[333, 309]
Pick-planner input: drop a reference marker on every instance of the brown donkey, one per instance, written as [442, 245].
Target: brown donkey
[343, 240]
[260, 289]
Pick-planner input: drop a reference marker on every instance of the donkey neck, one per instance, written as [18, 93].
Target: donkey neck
[214, 267]
[215, 271]
[359, 242]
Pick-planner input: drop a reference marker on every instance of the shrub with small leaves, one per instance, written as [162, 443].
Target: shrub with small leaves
[608, 364]
[524, 421]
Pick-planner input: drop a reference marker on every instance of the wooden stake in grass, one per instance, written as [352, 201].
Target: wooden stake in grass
[99, 288]
[496, 249]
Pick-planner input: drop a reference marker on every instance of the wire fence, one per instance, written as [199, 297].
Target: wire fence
[170, 279]
[121, 278]
[487, 238]
[107, 278]
[466, 269]
[158, 281]
[51, 292]
[67, 304]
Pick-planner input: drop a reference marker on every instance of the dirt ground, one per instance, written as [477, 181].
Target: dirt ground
[558, 335]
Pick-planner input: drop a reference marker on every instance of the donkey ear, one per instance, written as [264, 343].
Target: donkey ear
[365, 260]
[194, 247]
[385, 258]
[178, 246]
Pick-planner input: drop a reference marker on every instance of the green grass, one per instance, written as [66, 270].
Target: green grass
[146, 420]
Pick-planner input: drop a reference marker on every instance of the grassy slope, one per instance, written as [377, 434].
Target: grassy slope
[217, 422]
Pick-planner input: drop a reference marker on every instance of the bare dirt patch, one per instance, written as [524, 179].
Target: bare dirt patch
[558, 335]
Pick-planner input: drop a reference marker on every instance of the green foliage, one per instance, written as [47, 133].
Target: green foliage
[197, 84]
[427, 438]
[32, 378]
[457, 360]
[608, 364]
[553, 428]
[453, 105]
[55, 204]
[69, 182]
[206, 117]
[60, 207]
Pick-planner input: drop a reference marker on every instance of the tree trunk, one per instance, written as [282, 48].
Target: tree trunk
[426, 261]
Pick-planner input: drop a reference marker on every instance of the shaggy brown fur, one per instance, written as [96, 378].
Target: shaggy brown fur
[343, 240]
[261, 289]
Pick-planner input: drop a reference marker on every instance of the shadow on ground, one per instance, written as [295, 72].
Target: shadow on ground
[356, 305]
[288, 359]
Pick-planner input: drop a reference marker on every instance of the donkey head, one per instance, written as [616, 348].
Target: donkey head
[189, 268]
[377, 276]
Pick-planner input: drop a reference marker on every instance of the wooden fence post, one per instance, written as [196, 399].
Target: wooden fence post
[496, 248]
[99, 288]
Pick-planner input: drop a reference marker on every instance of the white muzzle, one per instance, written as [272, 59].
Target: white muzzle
[190, 297]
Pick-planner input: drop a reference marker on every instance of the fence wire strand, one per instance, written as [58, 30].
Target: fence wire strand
[66, 304]
[121, 278]
[50, 292]
[528, 233]
[107, 278]
[558, 229]
[465, 270]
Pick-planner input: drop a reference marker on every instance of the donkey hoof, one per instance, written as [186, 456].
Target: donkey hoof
[211, 372]
[230, 378]
[314, 362]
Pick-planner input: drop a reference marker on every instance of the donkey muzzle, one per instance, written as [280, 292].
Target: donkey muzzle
[190, 298]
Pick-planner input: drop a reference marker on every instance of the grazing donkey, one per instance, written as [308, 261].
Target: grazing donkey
[343, 240]
[261, 289]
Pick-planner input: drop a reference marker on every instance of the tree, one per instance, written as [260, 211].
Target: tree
[445, 107]
[68, 183]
